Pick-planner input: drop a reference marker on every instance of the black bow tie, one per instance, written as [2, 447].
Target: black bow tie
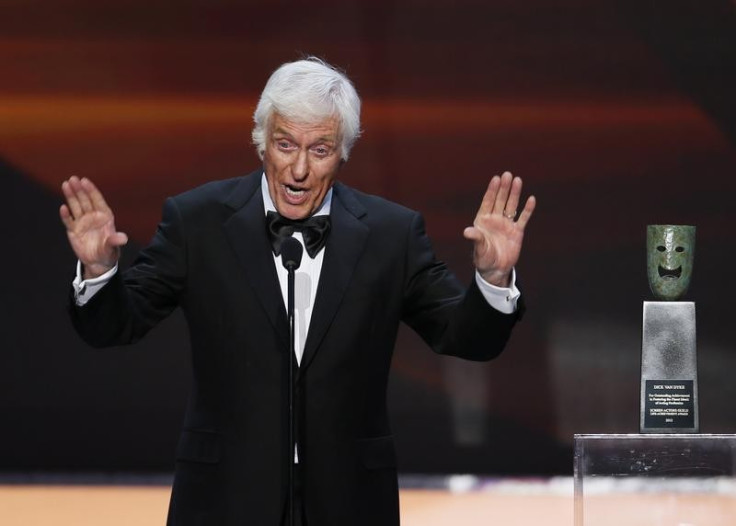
[314, 230]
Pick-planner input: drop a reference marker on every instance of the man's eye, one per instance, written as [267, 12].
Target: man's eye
[321, 151]
[284, 145]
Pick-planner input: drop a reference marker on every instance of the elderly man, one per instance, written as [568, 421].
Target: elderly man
[368, 266]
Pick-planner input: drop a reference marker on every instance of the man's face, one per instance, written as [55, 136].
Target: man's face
[301, 163]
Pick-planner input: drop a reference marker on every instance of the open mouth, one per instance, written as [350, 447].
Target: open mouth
[293, 191]
[666, 273]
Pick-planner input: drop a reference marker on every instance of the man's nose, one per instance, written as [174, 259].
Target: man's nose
[300, 167]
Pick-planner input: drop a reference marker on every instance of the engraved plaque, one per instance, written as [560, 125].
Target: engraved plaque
[669, 382]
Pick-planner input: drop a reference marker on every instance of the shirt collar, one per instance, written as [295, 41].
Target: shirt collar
[268, 205]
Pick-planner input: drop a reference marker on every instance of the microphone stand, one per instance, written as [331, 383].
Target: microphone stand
[291, 257]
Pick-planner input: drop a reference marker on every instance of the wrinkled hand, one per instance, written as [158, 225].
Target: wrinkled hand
[497, 237]
[90, 226]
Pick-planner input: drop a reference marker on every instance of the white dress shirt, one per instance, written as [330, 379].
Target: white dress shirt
[306, 276]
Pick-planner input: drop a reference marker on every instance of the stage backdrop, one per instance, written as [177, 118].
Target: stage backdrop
[616, 113]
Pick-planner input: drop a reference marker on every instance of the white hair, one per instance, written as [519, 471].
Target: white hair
[308, 92]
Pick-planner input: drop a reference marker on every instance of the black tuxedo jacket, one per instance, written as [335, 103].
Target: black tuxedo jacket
[211, 257]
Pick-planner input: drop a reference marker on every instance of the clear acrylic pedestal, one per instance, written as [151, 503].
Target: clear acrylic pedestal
[655, 480]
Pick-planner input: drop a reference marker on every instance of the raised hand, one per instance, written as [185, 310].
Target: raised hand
[90, 226]
[496, 232]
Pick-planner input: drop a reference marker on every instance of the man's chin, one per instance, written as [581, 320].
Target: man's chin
[295, 212]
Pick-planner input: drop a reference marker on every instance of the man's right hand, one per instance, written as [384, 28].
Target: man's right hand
[90, 226]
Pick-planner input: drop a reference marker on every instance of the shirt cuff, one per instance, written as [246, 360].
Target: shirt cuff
[85, 289]
[503, 299]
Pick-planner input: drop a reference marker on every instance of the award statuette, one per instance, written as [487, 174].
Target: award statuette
[669, 379]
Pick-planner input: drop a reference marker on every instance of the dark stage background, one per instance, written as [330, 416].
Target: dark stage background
[617, 114]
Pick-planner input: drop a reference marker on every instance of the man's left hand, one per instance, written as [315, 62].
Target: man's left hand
[497, 233]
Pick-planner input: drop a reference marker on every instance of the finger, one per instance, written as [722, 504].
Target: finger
[513, 201]
[71, 198]
[473, 234]
[66, 217]
[486, 206]
[95, 196]
[118, 239]
[81, 194]
[503, 193]
[526, 214]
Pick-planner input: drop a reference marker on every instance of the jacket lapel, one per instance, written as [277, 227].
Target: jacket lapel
[246, 233]
[343, 249]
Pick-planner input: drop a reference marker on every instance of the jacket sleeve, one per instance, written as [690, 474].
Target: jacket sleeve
[452, 319]
[127, 307]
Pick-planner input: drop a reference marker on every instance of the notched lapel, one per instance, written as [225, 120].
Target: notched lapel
[246, 233]
[344, 247]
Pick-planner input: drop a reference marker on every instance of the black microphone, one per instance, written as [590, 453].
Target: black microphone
[291, 253]
[291, 258]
